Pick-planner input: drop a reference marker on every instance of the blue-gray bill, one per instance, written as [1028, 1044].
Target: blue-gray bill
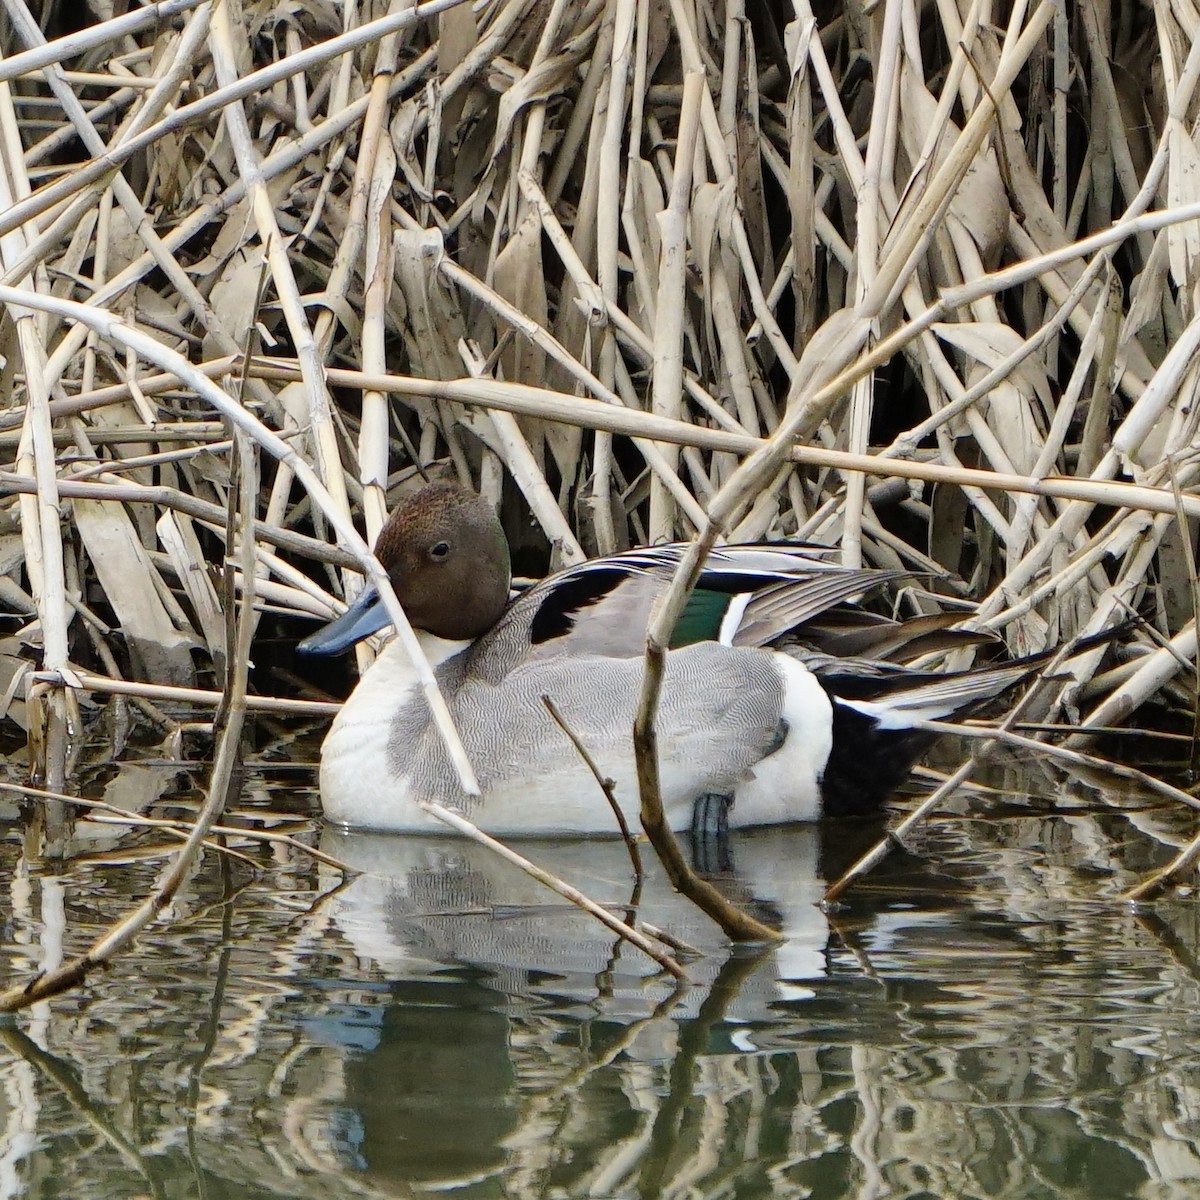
[365, 616]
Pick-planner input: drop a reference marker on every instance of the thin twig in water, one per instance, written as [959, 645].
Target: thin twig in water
[1156, 882]
[606, 786]
[116, 815]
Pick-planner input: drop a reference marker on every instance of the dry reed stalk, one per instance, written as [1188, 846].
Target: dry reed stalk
[557, 406]
[89, 681]
[667, 394]
[40, 518]
[228, 753]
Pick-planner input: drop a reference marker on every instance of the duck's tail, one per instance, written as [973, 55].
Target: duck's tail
[879, 709]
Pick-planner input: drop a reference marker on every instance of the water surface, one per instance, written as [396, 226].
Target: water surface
[982, 1018]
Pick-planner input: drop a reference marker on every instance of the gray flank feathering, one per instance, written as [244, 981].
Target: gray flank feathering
[719, 715]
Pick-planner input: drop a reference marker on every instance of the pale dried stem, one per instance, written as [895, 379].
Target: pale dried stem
[74, 44]
[41, 534]
[89, 681]
[329, 462]
[228, 753]
[378, 273]
[667, 388]
[550, 405]
[870, 222]
[124, 492]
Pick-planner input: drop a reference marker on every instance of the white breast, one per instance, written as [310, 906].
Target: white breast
[786, 785]
[359, 787]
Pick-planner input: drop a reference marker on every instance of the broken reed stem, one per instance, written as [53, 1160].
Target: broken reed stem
[228, 752]
[666, 395]
[237, 126]
[39, 525]
[605, 785]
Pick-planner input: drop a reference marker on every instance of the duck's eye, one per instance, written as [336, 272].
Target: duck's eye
[439, 551]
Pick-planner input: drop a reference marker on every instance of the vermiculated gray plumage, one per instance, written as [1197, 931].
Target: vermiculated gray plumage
[719, 706]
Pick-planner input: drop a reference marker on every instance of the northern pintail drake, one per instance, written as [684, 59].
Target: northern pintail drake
[748, 732]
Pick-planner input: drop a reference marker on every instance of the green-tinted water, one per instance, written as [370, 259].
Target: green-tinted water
[982, 1019]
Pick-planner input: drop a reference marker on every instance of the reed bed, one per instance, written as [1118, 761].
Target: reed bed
[920, 282]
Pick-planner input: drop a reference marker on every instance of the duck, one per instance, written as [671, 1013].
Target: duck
[772, 711]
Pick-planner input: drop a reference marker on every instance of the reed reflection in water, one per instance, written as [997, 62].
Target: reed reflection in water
[980, 1020]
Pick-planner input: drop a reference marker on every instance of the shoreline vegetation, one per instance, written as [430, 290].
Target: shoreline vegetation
[920, 283]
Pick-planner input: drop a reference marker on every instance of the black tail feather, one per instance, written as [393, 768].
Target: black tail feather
[870, 760]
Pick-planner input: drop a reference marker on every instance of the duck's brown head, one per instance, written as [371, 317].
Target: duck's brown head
[447, 558]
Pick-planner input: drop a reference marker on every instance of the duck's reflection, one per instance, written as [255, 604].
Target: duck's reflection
[513, 1015]
[421, 902]
[522, 1051]
[436, 1097]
